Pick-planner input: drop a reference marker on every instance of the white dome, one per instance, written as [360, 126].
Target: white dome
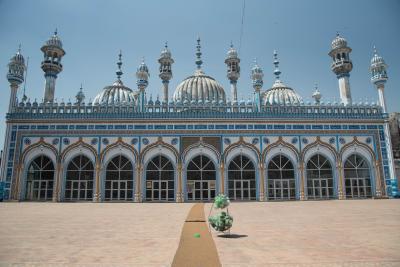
[339, 42]
[199, 88]
[116, 94]
[280, 94]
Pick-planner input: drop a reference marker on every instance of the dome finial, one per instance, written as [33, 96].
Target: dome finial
[277, 72]
[19, 49]
[198, 54]
[119, 64]
[375, 50]
[55, 32]
[166, 45]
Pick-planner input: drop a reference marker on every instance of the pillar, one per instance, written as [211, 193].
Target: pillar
[179, 194]
[138, 194]
[97, 193]
[57, 184]
[222, 178]
[301, 172]
[341, 194]
[261, 195]
[378, 181]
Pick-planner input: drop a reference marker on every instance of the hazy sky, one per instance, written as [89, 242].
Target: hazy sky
[94, 31]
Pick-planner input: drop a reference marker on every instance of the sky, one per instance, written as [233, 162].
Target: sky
[93, 32]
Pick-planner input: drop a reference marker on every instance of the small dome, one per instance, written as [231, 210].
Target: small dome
[338, 42]
[18, 58]
[165, 53]
[232, 53]
[54, 40]
[281, 94]
[115, 94]
[200, 88]
[377, 59]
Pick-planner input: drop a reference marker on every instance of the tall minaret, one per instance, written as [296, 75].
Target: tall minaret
[378, 78]
[342, 66]
[233, 73]
[142, 75]
[51, 65]
[15, 77]
[165, 75]
[257, 78]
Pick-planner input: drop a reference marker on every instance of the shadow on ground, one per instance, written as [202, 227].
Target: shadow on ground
[232, 236]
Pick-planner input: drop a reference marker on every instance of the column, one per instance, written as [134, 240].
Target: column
[378, 181]
[97, 193]
[138, 195]
[339, 168]
[179, 194]
[16, 188]
[222, 178]
[57, 184]
[301, 172]
[261, 195]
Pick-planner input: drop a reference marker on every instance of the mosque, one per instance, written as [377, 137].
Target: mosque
[125, 146]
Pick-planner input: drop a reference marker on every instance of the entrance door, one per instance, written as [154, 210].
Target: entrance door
[242, 190]
[281, 189]
[159, 190]
[201, 190]
[320, 188]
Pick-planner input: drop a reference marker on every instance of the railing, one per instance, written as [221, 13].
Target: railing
[315, 111]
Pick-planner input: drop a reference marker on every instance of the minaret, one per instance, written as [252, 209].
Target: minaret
[342, 66]
[51, 65]
[80, 96]
[15, 77]
[233, 72]
[142, 75]
[257, 78]
[317, 95]
[378, 78]
[165, 75]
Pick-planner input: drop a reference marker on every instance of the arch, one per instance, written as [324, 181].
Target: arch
[209, 188]
[159, 179]
[77, 149]
[201, 177]
[320, 148]
[40, 179]
[357, 176]
[319, 181]
[241, 179]
[31, 153]
[281, 178]
[280, 147]
[79, 178]
[118, 148]
[118, 179]
[365, 152]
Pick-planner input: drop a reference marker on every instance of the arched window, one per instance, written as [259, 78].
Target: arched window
[281, 181]
[357, 177]
[79, 179]
[160, 179]
[119, 179]
[201, 179]
[241, 179]
[40, 179]
[319, 178]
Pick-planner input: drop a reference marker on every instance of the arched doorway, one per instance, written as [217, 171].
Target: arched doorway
[160, 179]
[319, 178]
[201, 179]
[241, 179]
[40, 179]
[119, 179]
[357, 177]
[281, 180]
[79, 179]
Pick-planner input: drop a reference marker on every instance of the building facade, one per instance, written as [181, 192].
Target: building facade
[125, 146]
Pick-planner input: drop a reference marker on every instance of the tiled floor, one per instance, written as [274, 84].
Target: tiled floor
[301, 233]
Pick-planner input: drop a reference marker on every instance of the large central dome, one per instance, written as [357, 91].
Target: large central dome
[199, 88]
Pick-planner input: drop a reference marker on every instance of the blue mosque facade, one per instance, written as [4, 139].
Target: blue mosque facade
[125, 146]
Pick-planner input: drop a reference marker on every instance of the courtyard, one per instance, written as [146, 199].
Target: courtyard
[298, 233]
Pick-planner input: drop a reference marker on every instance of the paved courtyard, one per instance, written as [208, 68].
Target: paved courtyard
[311, 233]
